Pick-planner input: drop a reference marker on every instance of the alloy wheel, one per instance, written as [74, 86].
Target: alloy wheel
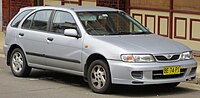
[17, 62]
[98, 76]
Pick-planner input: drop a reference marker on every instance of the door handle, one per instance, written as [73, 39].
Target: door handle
[21, 34]
[50, 39]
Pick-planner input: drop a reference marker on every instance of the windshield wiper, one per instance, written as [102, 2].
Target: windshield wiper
[138, 33]
[129, 33]
[120, 33]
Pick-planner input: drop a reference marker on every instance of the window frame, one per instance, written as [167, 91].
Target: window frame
[31, 21]
[51, 23]
[21, 20]
[35, 12]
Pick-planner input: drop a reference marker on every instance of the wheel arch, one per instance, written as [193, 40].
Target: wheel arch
[90, 59]
[12, 47]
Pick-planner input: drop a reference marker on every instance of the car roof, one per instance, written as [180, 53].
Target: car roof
[73, 8]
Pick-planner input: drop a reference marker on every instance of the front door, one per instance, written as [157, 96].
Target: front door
[63, 51]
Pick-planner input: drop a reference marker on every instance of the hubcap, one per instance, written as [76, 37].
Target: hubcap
[17, 62]
[98, 76]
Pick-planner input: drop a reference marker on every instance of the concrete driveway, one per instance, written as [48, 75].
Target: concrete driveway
[49, 84]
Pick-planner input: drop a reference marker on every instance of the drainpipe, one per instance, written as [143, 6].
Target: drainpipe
[79, 2]
[9, 11]
[171, 18]
[127, 6]
[38, 2]
[62, 2]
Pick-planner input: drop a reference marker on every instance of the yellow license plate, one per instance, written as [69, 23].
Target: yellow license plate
[172, 70]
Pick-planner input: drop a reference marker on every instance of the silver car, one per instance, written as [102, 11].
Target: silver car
[106, 46]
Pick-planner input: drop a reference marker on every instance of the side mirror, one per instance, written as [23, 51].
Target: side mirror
[71, 32]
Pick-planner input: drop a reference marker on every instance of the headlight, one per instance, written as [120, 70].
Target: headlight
[186, 55]
[138, 58]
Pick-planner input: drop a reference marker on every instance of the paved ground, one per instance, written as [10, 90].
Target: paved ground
[49, 84]
[1, 43]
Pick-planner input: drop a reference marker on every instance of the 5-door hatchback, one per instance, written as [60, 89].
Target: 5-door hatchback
[106, 46]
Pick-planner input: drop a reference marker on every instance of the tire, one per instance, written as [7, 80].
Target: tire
[99, 78]
[18, 63]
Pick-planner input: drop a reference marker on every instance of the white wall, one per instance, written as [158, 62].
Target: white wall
[52, 2]
[184, 25]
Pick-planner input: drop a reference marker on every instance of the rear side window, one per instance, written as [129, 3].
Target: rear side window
[19, 18]
[40, 21]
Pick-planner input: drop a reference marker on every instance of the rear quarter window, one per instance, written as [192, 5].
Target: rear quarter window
[18, 19]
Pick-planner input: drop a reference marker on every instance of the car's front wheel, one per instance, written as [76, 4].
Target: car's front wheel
[99, 78]
[18, 63]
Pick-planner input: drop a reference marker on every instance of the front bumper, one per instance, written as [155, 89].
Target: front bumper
[121, 72]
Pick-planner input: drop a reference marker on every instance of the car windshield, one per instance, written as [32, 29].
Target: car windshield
[111, 23]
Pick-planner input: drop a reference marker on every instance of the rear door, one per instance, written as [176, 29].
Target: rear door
[63, 51]
[32, 36]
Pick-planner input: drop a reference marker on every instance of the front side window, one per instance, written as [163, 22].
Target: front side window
[40, 21]
[19, 18]
[110, 23]
[62, 20]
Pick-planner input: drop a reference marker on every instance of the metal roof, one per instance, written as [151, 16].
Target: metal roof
[73, 8]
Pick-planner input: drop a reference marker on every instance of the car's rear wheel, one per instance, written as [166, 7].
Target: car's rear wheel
[99, 78]
[18, 63]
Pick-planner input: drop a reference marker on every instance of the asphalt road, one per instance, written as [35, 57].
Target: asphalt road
[49, 84]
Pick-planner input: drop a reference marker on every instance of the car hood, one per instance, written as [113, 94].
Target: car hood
[149, 43]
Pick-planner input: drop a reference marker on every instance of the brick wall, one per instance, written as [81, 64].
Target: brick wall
[15, 5]
[5, 12]
[11, 7]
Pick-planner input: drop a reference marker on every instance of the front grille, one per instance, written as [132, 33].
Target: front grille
[164, 58]
[158, 74]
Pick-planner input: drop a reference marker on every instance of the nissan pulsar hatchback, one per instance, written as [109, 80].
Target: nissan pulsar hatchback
[106, 46]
